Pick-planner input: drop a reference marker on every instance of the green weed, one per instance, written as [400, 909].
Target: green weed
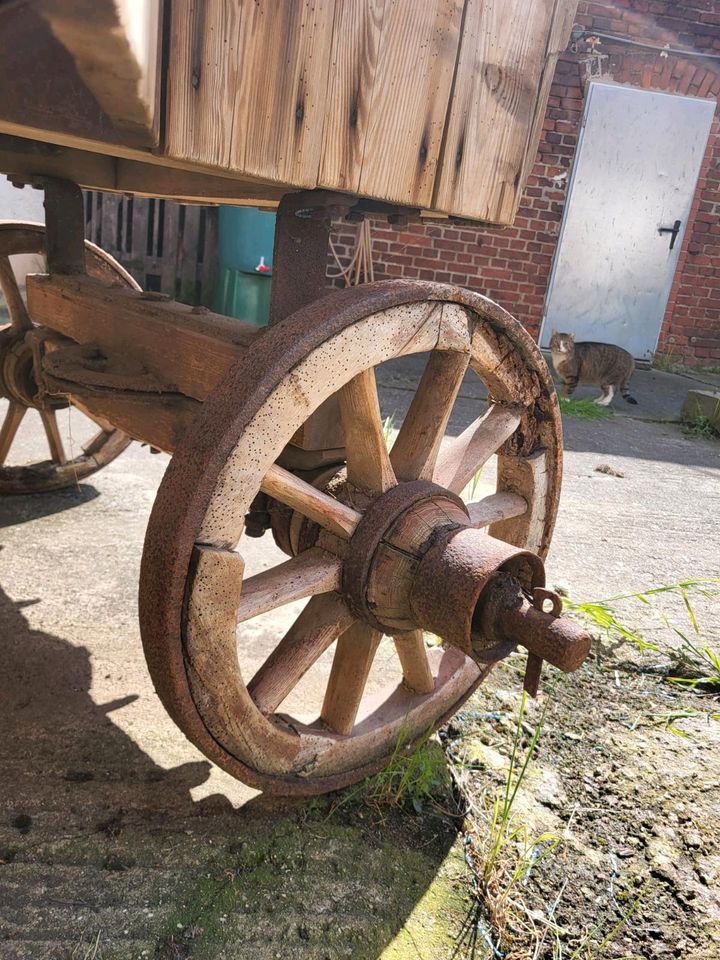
[468, 494]
[666, 362]
[584, 409]
[587, 950]
[669, 720]
[81, 951]
[702, 427]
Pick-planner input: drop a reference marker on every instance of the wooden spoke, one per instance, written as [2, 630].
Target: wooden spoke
[416, 446]
[311, 572]
[96, 443]
[351, 665]
[414, 659]
[498, 506]
[310, 502]
[19, 318]
[368, 462]
[461, 457]
[324, 618]
[13, 419]
[52, 432]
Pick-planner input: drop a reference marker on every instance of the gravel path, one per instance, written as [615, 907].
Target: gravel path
[111, 825]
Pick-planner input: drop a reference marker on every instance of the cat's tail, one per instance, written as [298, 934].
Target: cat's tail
[626, 395]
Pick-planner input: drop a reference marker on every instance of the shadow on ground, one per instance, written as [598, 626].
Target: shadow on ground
[21, 508]
[98, 841]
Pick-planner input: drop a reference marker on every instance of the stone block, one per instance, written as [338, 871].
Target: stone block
[702, 405]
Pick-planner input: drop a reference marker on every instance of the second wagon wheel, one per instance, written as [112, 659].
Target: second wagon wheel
[386, 547]
[38, 474]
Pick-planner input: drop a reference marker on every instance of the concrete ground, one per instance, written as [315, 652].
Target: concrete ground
[115, 831]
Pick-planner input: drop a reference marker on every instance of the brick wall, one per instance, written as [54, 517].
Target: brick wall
[512, 264]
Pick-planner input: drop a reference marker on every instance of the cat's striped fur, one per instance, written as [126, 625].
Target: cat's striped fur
[601, 364]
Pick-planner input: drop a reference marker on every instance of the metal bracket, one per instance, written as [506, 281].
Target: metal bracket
[533, 668]
[64, 222]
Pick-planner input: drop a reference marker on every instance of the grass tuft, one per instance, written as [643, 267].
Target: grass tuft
[699, 660]
[389, 430]
[700, 429]
[499, 851]
[416, 778]
[584, 409]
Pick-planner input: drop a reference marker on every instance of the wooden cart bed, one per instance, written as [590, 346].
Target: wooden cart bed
[434, 105]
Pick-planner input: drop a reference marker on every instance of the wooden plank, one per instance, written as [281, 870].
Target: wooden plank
[496, 507]
[563, 19]
[52, 432]
[414, 453]
[14, 302]
[169, 253]
[392, 69]
[160, 420]
[126, 324]
[109, 213]
[529, 478]
[247, 85]
[40, 84]
[144, 174]
[414, 660]
[495, 104]
[262, 93]
[189, 254]
[10, 425]
[115, 46]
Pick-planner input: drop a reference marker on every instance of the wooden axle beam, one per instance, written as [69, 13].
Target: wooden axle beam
[186, 350]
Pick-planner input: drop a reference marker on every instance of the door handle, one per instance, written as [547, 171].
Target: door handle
[674, 230]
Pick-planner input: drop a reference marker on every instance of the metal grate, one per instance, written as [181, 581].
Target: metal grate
[169, 247]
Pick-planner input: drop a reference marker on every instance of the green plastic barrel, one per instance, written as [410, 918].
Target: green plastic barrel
[245, 248]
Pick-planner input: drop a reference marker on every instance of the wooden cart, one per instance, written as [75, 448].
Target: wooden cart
[326, 109]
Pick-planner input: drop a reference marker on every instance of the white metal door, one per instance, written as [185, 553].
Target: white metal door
[635, 172]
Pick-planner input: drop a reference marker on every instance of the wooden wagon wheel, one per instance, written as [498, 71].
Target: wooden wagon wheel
[360, 552]
[18, 385]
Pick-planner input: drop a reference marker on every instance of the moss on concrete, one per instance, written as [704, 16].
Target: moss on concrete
[317, 890]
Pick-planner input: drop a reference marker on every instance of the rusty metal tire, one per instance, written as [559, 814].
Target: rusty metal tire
[190, 574]
[17, 237]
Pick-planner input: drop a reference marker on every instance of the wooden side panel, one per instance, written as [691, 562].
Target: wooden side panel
[40, 88]
[392, 70]
[247, 85]
[498, 100]
[115, 45]
[436, 104]
[563, 20]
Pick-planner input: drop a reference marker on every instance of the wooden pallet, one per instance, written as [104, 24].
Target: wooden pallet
[167, 247]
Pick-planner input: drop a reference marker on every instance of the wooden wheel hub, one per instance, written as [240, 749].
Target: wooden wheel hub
[16, 369]
[385, 551]
[415, 563]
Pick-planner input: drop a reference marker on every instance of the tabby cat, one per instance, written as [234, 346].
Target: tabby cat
[600, 364]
